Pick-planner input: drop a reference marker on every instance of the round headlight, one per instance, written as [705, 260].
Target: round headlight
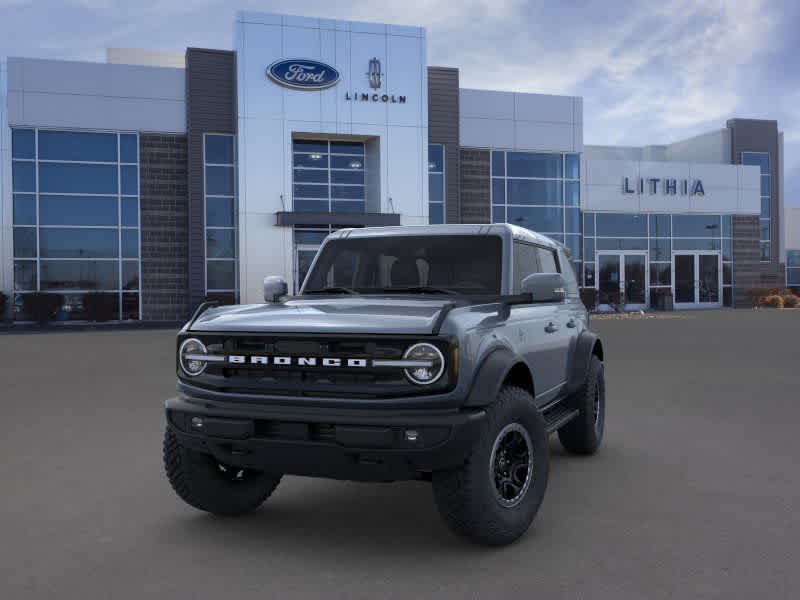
[190, 357]
[431, 364]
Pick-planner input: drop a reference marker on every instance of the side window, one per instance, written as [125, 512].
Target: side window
[525, 262]
[547, 260]
[568, 272]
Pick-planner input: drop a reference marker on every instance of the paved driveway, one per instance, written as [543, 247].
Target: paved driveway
[695, 494]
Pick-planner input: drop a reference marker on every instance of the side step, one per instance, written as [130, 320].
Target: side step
[558, 416]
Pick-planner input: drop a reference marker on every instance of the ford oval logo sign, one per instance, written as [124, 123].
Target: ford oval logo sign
[303, 74]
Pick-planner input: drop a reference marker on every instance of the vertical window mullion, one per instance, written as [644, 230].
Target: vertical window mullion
[119, 231]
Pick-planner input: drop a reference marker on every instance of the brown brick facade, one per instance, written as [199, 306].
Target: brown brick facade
[475, 181]
[164, 227]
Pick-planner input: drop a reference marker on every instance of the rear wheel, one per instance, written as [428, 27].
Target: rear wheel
[493, 498]
[206, 484]
[584, 433]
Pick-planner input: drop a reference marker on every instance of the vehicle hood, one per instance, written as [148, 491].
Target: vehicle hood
[360, 315]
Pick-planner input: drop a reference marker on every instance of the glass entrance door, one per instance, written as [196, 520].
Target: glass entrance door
[697, 279]
[622, 280]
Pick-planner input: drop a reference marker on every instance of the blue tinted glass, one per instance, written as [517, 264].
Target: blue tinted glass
[498, 191]
[498, 214]
[78, 179]
[759, 159]
[660, 249]
[660, 274]
[337, 162]
[436, 187]
[309, 146]
[219, 149]
[25, 242]
[435, 158]
[765, 208]
[311, 205]
[588, 224]
[130, 212]
[348, 206]
[530, 164]
[527, 191]
[588, 249]
[621, 244]
[793, 258]
[128, 149]
[498, 163]
[314, 175]
[572, 190]
[660, 226]
[219, 212]
[129, 180]
[765, 185]
[74, 145]
[573, 166]
[23, 176]
[310, 191]
[544, 220]
[130, 243]
[726, 225]
[347, 192]
[766, 251]
[356, 177]
[24, 209]
[130, 275]
[696, 225]
[436, 214]
[314, 238]
[220, 243]
[573, 242]
[588, 274]
[220, 274]
[78, 243]
[77, 210]
[793, 277]
[320, 161]
[24, 275]
[347, 148]
[727, 249]
[80, 275]
[626, 225]
[573, 221]
[23, 144]
[695, 244]
[219, 181]
[764, 229]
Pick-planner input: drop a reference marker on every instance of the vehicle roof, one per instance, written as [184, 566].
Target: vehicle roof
[501, 229]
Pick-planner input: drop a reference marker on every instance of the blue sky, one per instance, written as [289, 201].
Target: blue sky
[649, 72]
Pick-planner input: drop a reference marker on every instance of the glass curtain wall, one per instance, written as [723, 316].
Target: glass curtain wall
[793, 268]
[76, 220]
[328, 176]
[435, 184]
[219, 157]
[539, 191]
[761, 160]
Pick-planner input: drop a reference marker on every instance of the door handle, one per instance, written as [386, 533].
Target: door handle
[571, 323]
[551, 327]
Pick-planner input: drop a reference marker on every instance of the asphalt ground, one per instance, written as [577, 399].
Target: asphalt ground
[694, 494]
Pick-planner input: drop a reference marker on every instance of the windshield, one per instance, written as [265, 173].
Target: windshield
[441, 264]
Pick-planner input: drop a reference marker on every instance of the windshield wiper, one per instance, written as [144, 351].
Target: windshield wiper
[332, 290]
[421, 289]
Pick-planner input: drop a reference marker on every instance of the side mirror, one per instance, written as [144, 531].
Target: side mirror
[274, 288]
[545, 287]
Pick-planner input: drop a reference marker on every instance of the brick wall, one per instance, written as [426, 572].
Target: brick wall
[475, 198]
[748, 271]
[165, 232]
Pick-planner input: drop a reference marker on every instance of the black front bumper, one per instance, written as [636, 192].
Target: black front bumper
[364, 445]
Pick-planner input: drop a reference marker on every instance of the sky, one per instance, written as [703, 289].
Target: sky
[649, 72]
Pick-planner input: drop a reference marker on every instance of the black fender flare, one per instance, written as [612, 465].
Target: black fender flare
[584, 349]
[490, 376]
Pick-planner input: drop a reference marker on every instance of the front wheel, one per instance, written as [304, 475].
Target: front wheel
[493, 497]
[206, 484]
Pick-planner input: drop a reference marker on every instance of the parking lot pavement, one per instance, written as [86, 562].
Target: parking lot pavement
[695, 493]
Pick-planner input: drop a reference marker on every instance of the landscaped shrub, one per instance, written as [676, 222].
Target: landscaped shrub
[758, 295]
[41, 306]
[773, 301]
[790, 301]
[99, 306]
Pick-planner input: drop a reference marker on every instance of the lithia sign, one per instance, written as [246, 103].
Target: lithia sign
[306, 74]
[667, 186]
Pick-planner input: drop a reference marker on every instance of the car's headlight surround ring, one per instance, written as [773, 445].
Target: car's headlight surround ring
[409, 371]
[201, 350]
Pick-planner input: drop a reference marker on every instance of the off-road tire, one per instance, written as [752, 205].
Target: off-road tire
[467, 496]
[200, 481]
[584, 433]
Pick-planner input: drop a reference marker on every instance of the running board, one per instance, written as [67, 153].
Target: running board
[559, 416]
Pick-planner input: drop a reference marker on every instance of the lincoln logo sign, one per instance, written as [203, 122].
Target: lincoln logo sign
[302, 74]
[667, 186]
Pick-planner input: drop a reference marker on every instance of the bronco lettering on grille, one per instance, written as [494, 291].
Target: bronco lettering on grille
[300, 361]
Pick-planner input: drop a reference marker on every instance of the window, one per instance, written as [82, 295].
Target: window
[328, 176]
[76, 218]
[793, 268]
[761, 160]
[526, 262]
[435, 184]
[219, 158]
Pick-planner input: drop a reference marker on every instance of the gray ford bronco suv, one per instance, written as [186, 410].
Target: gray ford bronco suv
[443, 353]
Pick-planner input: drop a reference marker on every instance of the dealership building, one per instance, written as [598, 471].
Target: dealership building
[166, 179]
